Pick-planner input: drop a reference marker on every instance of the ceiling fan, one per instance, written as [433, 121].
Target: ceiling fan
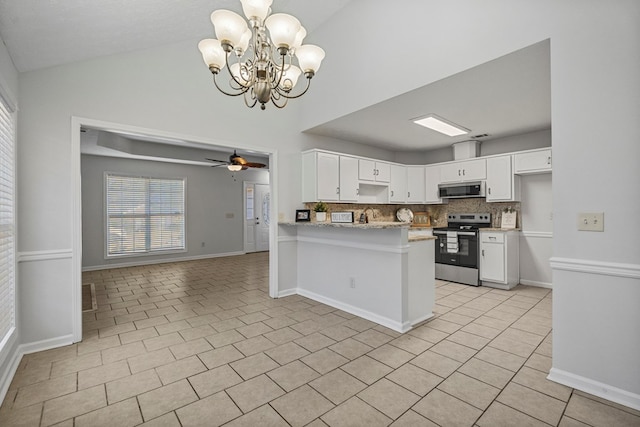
[237, 163]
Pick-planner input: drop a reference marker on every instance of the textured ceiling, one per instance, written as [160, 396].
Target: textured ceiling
[44, 33]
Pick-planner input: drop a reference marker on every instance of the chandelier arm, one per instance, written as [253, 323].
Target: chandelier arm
[285, 95]
[276, 85]
[255, 101]
[225, 92]
[284, 104]
[234, 77]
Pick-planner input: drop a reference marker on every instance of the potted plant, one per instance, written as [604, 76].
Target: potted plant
[321, 211]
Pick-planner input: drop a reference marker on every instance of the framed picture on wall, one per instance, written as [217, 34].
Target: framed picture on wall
[303, 215]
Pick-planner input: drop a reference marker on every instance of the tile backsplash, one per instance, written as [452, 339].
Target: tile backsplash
[438, 213]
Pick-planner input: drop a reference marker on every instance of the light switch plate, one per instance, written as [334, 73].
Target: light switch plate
[593, 221]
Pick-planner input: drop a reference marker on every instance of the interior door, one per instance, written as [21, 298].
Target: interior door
[262, 216]
[249, 218]
[256, 217]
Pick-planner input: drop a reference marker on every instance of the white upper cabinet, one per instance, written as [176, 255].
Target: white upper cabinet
[467, 170]
[329, 177]
[348, 179]
[535, 161]
[320, 177]
[432, 179]
[398, 184]
[502, 185]
[415, 184]
[370, 170]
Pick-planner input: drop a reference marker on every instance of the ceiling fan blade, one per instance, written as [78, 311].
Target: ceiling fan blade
[254, 165]
[216, 166]
[218, 161]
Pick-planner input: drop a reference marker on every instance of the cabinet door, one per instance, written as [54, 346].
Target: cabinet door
[432, 179]
[328, 172]
[492, 266]
[533, 162]
[348, 179]
[415, 184]
[366, 170]
[474, 170]
[383, 172]
[450, 172]
[499, 179]
[397, 184]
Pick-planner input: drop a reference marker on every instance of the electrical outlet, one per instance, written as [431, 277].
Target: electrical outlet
[593, 221]
[352, 283]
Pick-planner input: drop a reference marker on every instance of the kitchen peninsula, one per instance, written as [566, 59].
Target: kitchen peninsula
[375, 270]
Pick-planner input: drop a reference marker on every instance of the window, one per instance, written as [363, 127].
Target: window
[7, 222]
[144, 215]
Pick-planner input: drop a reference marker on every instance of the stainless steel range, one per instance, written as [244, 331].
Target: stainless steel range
[457, 248]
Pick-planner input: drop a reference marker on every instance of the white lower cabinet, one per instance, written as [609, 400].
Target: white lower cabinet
[499, 259]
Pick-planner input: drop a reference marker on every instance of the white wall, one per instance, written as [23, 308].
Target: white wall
[595, 84]
[211, 194]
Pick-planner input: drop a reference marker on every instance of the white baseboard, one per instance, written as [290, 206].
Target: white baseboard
[46, 344]
[536, 283]
[384, 321]
[160, 261]
[287, 292]
[22, 349]
[595, 388]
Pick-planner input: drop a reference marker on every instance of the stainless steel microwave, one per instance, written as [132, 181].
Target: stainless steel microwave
[461, 190]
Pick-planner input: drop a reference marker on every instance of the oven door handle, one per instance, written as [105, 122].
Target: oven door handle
[459, 233]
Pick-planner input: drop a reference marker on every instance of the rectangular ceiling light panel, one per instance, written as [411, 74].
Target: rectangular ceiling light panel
[438, 124]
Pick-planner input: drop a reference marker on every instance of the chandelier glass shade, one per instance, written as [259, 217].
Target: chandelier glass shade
[264, 58]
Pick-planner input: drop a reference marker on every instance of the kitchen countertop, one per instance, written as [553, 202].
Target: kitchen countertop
[499, 229]
[420, 238]
[370, 225]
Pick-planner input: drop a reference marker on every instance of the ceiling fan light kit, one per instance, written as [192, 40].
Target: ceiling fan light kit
[263, 69]
[237, 163]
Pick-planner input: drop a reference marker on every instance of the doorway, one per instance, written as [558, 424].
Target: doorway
[257, 217]
[76, 124]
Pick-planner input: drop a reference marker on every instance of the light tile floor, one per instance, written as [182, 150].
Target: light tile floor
[201, 343]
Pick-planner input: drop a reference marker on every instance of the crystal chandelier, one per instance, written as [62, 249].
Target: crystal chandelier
[263, 69]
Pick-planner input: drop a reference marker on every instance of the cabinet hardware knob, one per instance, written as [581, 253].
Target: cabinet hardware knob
[408, 193]
[483, 252]
[337, 190]
[391, 193]
[489, 189]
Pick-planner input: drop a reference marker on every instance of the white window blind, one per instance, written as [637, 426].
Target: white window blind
[7, 222]
[144, 215]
